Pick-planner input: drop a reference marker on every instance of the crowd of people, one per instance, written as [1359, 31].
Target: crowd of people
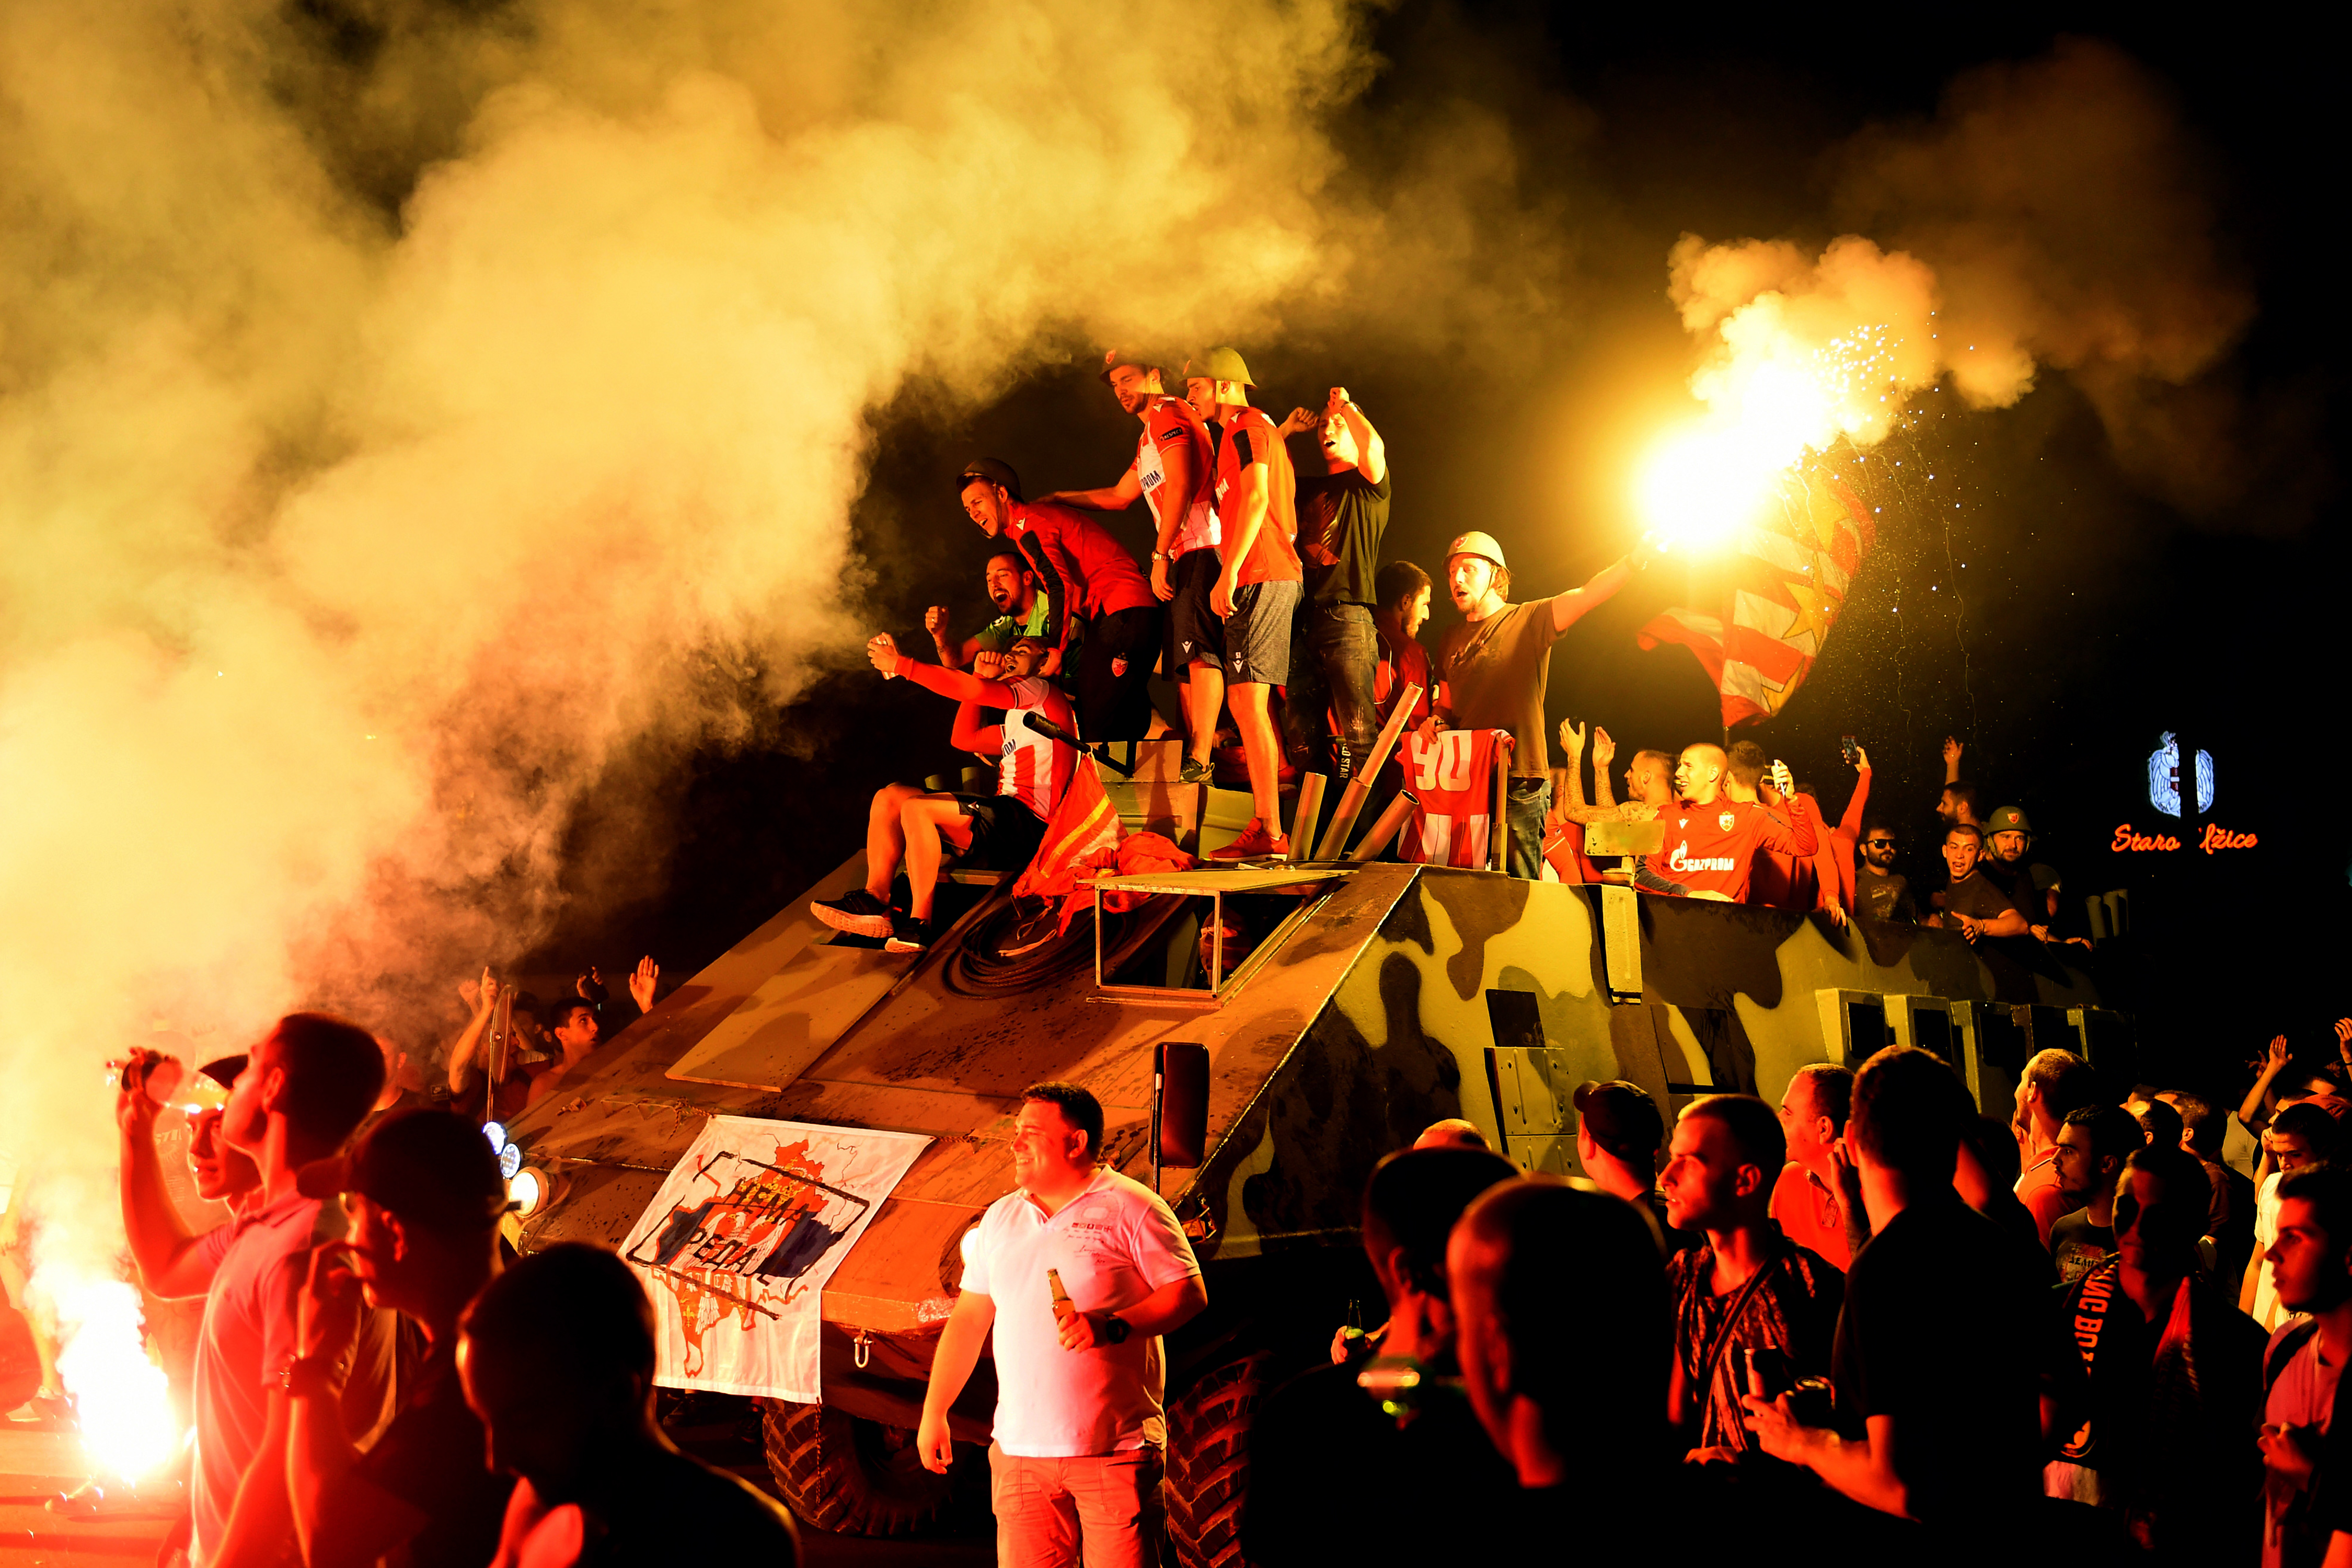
[376, 1378]
[1267, 606]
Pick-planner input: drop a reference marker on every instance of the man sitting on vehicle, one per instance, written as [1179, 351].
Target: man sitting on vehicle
[926, 830]
[1022, 609]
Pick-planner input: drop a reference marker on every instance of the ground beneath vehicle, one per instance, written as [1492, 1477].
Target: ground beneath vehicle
[1365, 1002]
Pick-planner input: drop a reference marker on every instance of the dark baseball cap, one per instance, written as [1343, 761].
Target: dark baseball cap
[431, 1167]
[222, 1070]
[1622, 1119]
[993, 469]
[1141, 359]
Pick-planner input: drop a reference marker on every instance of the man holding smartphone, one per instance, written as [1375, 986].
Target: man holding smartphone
[1712, 841]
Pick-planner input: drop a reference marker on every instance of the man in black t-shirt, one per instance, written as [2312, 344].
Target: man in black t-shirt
[558, 1359]
[425, 1193]
[1322, 1444]
[1974, 905]
[2093, 1144]
[1935, 1370]
[1343, 512]
[1881, 892]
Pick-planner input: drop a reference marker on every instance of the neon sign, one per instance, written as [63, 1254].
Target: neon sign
[2164, 778]
[2216, 838]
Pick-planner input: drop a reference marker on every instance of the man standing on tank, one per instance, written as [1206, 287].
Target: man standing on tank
[1073, 1276]
[1343, 512]
[1497, 664]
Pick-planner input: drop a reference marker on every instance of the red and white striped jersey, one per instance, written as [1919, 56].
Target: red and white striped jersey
[1453, 777]
[1035, 769]
[1172, 423]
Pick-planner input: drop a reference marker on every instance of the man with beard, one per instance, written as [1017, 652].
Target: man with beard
[1881, 892]
[1497, 664]
[1103, 597]
[1022, 609]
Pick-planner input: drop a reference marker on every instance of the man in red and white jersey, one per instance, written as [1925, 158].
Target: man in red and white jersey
[924, 830]
[1782, 880]
[1712, 840]
[1101, 589]
[1258, 585]
[1451, 773]
[1173, 474]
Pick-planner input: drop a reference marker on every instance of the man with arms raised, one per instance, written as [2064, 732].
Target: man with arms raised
[1935, 1367]
[1712, 841]
[424, 1196]
[1498, 664]
[1174, 474]
[1748, 1296]
[1075, 1464]
[1343, 512]
[1102, 595]
[301, 1091]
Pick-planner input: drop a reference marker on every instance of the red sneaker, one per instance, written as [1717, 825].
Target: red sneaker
[1254, 843]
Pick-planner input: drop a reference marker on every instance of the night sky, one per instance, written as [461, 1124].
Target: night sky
[2027, 594]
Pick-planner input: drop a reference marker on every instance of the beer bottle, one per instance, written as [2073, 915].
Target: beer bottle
[1062, 1306]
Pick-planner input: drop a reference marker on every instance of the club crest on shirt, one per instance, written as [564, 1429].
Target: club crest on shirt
[1725, 821]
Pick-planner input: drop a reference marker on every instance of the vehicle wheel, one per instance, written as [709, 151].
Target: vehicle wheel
[850, 1475]
[1208, 1462]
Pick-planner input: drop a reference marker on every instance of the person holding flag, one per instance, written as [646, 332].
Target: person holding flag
[925, 830]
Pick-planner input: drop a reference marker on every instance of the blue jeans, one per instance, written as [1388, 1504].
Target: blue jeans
[1333, 650]
[1529, 801]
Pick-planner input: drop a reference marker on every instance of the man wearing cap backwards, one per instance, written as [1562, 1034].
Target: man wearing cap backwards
[1102, 592]
[1257, 589]
[300, 1092]
[1497, 665]
[425, 1195]
[1174, 475]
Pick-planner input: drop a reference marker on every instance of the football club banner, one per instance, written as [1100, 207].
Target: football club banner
[735, 1248]
[1789, 578]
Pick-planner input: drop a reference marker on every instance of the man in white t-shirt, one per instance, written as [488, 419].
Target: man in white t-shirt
[1076, 1462]
[2312, 1260]
[2301, 1134]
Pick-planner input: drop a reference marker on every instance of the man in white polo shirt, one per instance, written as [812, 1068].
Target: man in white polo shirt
[1075, 1461]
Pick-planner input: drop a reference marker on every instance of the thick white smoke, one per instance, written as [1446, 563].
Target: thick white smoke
[343, 546]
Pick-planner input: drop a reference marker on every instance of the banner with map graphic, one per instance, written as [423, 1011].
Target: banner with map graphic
[735, 1248]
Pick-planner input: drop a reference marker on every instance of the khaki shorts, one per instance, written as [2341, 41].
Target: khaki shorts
[1047, 1509]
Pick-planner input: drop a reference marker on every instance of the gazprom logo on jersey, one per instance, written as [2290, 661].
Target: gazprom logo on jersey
[1681, 859]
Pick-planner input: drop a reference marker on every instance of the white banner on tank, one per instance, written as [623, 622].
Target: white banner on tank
[735, 1248]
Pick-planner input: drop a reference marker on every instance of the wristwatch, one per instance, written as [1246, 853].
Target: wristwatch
[1114, 1329]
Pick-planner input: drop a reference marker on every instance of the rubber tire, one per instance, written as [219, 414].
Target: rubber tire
[1208, 1462]
[849, 1476]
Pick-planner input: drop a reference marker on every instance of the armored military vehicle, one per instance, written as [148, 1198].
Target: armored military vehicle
[1343, 1007]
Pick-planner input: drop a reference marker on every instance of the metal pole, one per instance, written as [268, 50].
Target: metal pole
[1352, 800]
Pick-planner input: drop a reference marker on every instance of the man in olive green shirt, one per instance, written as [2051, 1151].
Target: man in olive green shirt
[1497, 664]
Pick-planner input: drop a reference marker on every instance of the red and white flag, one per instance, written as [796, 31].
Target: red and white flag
[1084, 822]
[1789, 581]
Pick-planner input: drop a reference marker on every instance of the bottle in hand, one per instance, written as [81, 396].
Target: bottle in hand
[1062, 1306]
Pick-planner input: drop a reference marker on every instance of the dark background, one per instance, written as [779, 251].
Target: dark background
[2029, 598]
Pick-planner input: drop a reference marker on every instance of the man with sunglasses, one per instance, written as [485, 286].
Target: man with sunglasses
[1880, 893]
